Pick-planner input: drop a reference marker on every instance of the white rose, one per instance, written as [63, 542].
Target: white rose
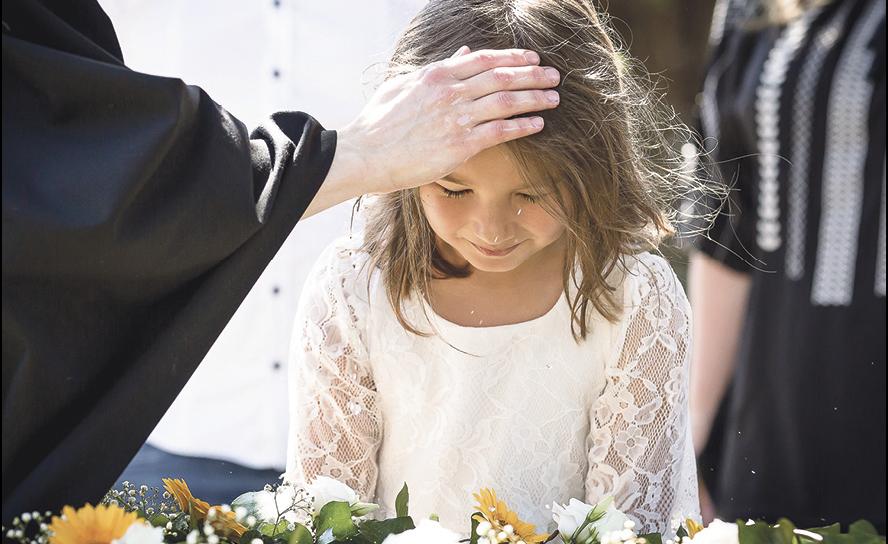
[141, 533]
[574, 514]
[613, 520]
[718, 532]
[262, 505]
[325, 490]
[569, 517]
[427, 532]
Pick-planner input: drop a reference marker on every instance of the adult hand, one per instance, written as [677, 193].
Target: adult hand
[420, 126]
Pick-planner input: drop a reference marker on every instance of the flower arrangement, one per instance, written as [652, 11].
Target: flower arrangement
[330, 512]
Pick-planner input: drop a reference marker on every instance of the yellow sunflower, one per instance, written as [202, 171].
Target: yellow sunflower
[693, 527]
[89, 525]
[495, 512]
[223, 522]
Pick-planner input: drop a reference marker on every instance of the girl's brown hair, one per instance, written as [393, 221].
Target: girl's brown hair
[604, 148]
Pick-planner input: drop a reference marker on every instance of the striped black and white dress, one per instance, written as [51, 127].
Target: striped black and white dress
[796, 116]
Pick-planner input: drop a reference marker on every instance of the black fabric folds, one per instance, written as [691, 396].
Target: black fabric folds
[137, 214]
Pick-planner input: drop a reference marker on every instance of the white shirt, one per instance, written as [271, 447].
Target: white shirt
[521, 408]
[255, 58]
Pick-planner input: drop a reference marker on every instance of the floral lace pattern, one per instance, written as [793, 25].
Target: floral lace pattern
[521, 408]
[640, 449]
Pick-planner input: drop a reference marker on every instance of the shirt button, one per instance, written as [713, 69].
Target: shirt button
[276, 366]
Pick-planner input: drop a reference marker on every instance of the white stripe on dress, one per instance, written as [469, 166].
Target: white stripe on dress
[767, 120]
[803, 116]
[845, 157]
[880, 258]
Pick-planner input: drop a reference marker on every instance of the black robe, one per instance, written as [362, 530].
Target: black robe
[137, 214]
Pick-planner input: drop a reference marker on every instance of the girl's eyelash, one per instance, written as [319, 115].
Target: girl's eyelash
[460, 194]
[454, 194]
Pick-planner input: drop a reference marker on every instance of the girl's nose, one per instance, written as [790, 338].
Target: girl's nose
[494, 226]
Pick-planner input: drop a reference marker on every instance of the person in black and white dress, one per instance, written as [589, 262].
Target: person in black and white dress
[789, 288]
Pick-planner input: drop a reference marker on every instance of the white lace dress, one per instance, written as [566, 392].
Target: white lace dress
[522, 408]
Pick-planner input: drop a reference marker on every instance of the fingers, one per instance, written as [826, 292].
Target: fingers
[506, 104]
[472, 64]
[461, 51]
[510, 79]
[499, 131]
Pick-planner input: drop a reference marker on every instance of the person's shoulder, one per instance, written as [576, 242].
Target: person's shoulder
[650, 279]
[343, 266]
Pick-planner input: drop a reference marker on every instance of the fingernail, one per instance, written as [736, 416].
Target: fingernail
[553, 74]
[552, 96]
[532, 57]
[537, 122]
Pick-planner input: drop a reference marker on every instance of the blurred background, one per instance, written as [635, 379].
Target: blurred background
[256, 57]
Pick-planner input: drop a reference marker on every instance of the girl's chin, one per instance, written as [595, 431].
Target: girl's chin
[495, 264]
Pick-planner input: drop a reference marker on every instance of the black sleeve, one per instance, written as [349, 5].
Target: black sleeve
[137, 214]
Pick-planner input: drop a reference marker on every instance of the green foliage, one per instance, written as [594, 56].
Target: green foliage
[652, 538]
[402, 501]
[376, 531]
[335, 518]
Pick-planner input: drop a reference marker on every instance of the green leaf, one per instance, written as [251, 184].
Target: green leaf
[300, 535]
[159, 520]
[862, 527]
[272, 530]
[336, 517]
[434, 517]
[652, 538]
[377, 531]
[473, 536]
[681, 533]
[762, 533]
[401, 502]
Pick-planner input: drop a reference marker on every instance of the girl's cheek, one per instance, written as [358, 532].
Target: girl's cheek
[443, 214]
[543, 225]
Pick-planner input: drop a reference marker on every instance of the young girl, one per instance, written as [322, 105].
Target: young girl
[504, 327]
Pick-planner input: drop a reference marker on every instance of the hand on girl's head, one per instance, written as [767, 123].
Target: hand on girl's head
[468, 103]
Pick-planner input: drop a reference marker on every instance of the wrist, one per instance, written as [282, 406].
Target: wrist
[351, 171]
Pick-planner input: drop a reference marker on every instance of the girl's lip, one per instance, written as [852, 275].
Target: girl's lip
[495, 252]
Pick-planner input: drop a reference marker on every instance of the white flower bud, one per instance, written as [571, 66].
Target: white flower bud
[192, 537]
[483, 527]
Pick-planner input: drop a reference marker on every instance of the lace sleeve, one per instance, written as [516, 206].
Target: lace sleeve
[335, 422]
[640, 448]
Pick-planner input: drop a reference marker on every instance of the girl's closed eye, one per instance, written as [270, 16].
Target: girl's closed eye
[450, 193]
[454, 194]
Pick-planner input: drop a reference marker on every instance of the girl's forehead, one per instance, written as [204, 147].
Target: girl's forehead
[492, 166]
